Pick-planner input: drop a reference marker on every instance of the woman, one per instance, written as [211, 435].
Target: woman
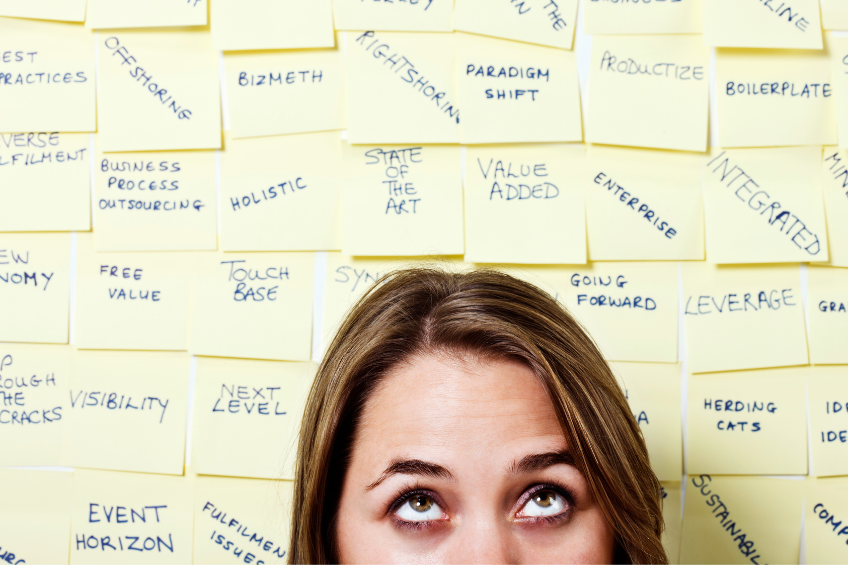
[466, 417]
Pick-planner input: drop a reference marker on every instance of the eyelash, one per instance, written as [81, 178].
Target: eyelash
[560, 490]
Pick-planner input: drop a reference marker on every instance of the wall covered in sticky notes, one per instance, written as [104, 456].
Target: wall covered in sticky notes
[193, 194]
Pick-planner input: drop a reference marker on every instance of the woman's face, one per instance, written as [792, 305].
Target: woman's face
[464, 461]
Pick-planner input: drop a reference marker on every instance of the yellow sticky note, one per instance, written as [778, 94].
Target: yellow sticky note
[127, 411]
[131, 518]
[826, 526]
[741, 520]
[747, 423]
[839, 60]
[643, 204]
[827, 303]
[238, 405]
[402, 201]
[269, 24]
[47, 75]
[764, 206]
[653, 392]
[155, 201]
[666, 79]
[828, 400]
[238, 519]
[63, 10]
[401, 88]
[132, 300]
[145, 13]
[772, 23]
[525, 204]
[549, 23]
[754, 87]
[605, 17]
[751, 315]
[281, 193]
[835, 189]
[253, 305]
[35, 517]
[54, 168]
[615, 302]
[34, 383]
[672, 518]
[158, 90]
[834, 14]
[280, 92]
[418, 15]
[35, 275]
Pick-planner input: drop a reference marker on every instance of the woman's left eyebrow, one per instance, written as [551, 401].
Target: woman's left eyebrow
[540, 461]
[412, 467]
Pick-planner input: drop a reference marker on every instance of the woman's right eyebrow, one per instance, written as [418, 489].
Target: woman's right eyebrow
[412, 467]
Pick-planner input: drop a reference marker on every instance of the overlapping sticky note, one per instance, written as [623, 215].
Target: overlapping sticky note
[764, 206]
[269, 24]
[516, 93]
[417, 15]
[643, 204]
[34, 383]
[839, 61]
[605, 17]
[771, 98]
[827, 295]
[741, 520]
[747, 423]
[149, 99]
[546, 23]
[825, 527]
[835, 190]
[122, 518]
[402, 200]
[525, 204]
[666, 79]
[64, 10]
[145, 13]
[828, 393]
[281, 193]
[782, 25]
[401, 88]
[238, 405]
[743, 317]
[253, 305]
[672, 518]
[653, 392]
[834, 14]
[155, 201]
[127, 411]
[34, 287]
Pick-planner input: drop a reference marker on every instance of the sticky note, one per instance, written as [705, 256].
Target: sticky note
[616, 302]
[781, 25]
[145, 13]
[155, 201]
[827, 303]
[747, 423]
[280, 92]
[54, 168]
[826, 526]
[47, 74]
[127, 518]
[35, 275]
[525, 204]
[516, 93]
[839, 61]
[606, 17]
[672, 518]
[752, 315]
[254, 516]
[828, 400]
[653, 392]
[741, 520]
[835, 189]
[158, 90]
[402, 200]
[764, 206]
[753, 88]
[35, 517]
[127, 411]
[132, 300]
[643, 204]
[834, 14]
[666, 78]
[268, 24]
[418, 15]
[253, 305]
[281, 193]
[238, 405]
[401, 88]
[546, 23]
[34, 383]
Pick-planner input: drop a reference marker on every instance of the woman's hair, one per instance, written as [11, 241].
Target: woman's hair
[491, 315]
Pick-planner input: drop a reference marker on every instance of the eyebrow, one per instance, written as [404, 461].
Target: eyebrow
[412, 467]
[541, 461]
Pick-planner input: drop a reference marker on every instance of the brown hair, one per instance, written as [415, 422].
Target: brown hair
[485, 312]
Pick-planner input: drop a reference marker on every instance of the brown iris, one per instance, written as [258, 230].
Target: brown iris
[421, 503]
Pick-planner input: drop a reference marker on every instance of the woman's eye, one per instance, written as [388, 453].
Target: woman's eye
[420, 508]
[543, 503]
